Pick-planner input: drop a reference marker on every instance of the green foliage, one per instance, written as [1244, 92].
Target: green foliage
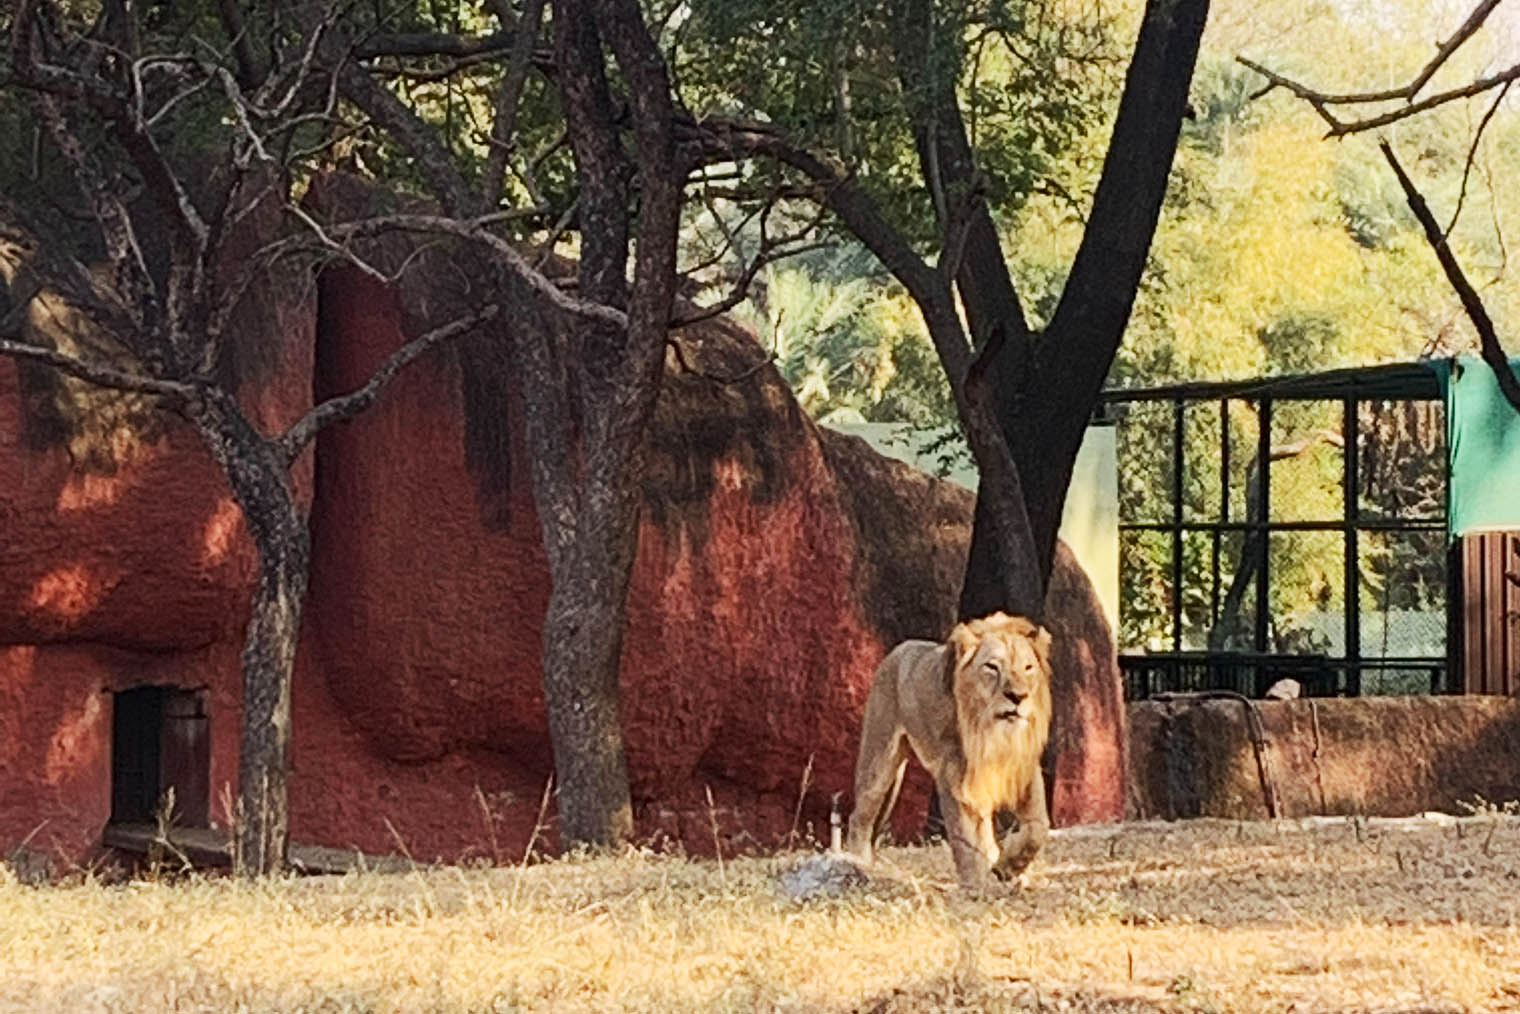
[1278, 252]
[1031, 74]
[1282, 253]
[851, 348]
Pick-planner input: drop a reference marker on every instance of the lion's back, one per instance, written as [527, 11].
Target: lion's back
[909, 658]
[915, 671]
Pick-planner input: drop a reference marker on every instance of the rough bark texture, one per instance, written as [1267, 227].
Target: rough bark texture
[263, 832]
[126, 561]
[618, 373]
[257, 473]
[1428, 753]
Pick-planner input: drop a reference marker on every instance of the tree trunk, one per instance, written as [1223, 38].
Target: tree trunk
[1047, 384]
[583, 646]
[269, 653]
[618, 372]
[260, 482]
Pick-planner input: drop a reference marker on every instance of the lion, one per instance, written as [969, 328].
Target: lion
[976, 712]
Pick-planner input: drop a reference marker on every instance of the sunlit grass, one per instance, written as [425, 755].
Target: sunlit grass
[1203, 917]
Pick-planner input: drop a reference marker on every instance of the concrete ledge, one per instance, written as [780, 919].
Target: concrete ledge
[208, 849]
[1371, 756]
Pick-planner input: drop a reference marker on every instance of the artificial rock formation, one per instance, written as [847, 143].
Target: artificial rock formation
[124, 562]
[777, 563]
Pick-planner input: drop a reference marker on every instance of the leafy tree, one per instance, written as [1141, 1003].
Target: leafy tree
[923, 64]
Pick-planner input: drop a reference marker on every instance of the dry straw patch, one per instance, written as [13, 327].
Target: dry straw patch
[1198, 917]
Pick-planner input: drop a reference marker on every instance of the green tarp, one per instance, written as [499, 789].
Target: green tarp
[1483, 440]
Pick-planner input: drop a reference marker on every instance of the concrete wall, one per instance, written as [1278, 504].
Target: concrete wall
[1373, 756]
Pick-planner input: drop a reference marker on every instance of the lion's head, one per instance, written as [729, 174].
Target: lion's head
[1000, 676]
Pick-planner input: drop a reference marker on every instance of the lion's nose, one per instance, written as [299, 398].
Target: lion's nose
[1014, 696]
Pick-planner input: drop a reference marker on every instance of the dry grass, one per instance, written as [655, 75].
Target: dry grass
[1208, 916]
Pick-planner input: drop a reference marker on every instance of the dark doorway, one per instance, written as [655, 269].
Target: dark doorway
[160, 740]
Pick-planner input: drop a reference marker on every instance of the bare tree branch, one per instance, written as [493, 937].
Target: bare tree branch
[419, 140]
[345, 407]
[1405, 92]
[1464, 31]
[293, 78]
[720, 139]
[501, 249]
[1472, 155]
[679, 348]
[985, 355]
[509, 96]
[432, 44]
[958, 223]
[250, 67]
[178, 392]
[140, 297]
[730, 234]
[772, 249]
[433, 74]
[173, 309]
[50, 269]
[1323, 103]
[1493, 352]
[556, 233]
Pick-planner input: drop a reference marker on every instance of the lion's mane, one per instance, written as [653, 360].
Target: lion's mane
[1001, 760]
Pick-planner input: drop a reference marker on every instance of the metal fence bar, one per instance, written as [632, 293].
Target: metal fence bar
[1352, 589]
[1368, 525]
[1251, 674]
[1263, 505]
[1145, 674]
[1178, 464]
[1224, 508]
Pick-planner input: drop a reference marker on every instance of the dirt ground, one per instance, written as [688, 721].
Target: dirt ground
[1319, 915]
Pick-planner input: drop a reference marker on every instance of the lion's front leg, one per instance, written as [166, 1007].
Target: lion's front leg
[971, 837]
[1022, 844]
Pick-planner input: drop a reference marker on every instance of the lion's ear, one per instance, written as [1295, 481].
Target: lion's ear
[962, 643]
[1042, 642]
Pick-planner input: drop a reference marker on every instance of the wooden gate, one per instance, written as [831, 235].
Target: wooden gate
[1490, 612]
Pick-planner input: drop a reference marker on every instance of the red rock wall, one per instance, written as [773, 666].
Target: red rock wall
[1089, 736]
[745, 656]
[123, 562]
[777, 563]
